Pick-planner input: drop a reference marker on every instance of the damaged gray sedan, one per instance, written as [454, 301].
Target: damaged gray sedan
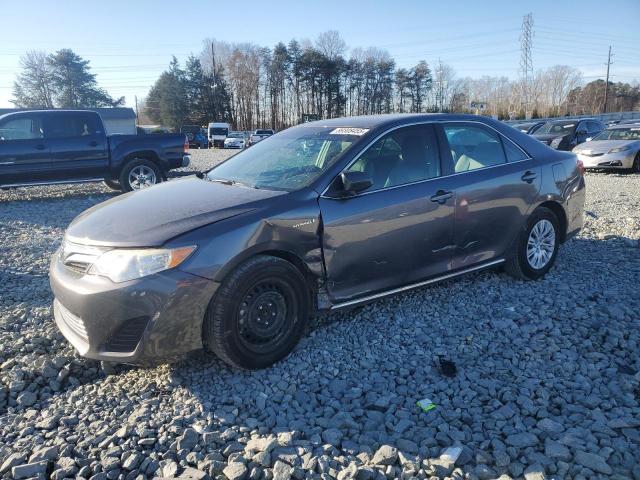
[322, 216]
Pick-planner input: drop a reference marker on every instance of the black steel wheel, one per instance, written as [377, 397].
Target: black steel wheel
[258, 314]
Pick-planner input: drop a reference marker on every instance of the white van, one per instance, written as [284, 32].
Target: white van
[217, 133]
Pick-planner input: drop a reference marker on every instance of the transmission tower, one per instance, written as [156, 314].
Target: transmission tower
[526, 62]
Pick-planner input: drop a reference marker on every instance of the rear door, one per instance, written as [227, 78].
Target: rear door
[496, 183]
[24, 152]
[400, 229]
[78, 143]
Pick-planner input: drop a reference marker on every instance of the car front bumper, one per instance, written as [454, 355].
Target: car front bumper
[143, 321]
[619, 160]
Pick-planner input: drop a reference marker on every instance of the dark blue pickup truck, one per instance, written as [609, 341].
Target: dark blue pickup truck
[42, 147]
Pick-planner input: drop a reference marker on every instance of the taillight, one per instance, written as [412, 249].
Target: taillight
[186, 144]
[580, 166]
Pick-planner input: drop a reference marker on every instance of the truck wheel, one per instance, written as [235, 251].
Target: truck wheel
[139, 173]
[112, 184]
[258, 313]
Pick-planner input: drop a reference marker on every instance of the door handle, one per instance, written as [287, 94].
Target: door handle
[529, 176]
[40, 147]
[441, 196]
[93, 143]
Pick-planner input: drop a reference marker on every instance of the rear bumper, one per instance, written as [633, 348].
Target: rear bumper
[152, 319]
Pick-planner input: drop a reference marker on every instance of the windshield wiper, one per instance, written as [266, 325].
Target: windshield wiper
[225, 181]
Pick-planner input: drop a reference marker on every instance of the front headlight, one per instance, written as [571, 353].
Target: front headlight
[122, 265]
[619, 149]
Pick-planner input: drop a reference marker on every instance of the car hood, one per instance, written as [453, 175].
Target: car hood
[150, 217]
[603, 146]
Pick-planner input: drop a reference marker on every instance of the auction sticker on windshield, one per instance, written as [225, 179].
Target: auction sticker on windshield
[349, 131]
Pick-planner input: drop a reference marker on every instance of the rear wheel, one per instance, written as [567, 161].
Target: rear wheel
[138, 174]
[536, 247]
[258, 314]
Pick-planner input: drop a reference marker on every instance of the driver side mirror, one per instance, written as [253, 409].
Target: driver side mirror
[354, 182]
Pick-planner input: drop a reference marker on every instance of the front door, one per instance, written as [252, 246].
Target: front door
[398, 231]
[24, 152]
[79, 147]
[496, 184]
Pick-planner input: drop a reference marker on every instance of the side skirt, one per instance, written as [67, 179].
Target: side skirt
[368, 298]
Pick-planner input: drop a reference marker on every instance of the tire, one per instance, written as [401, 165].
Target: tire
[233, 327]
[112, 184]
[533, 264]
[143, 166]
[635, 168]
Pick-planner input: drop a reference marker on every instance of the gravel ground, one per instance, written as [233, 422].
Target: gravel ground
[547, 382]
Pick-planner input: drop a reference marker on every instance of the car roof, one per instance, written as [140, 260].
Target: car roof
[374, 121]
[624, 125]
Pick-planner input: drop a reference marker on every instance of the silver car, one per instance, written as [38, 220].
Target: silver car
[618, 147]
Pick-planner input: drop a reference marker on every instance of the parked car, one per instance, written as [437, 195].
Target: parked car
[528, 127]
[217, 133]
[618, 147]
[323, 216]
[235, 140]
[41, 147]
[259, 135]
[566, 134]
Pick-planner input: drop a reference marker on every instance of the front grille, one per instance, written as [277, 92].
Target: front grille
[75, 323]
[127, 337]
[593, 154]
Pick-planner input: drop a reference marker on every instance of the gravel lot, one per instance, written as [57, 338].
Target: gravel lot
[547, 383]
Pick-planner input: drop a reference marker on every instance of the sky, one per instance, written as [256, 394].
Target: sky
[130, 43]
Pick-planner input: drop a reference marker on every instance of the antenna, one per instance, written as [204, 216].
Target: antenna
[526, 62]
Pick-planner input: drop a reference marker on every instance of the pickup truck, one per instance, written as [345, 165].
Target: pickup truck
[259, 135]
[43, 147]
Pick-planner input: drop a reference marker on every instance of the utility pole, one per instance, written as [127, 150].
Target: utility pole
[136, 97]
[606, 85]
[526, 62]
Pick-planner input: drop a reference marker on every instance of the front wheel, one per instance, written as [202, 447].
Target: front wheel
[138, 174]
[258, 314]
[635, 168]
[536, 248]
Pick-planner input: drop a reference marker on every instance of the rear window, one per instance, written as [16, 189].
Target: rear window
[67, 126]
[264, 132]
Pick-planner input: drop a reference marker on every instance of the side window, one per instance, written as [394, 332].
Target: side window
[21, 128]
[594, 128]
[67, 126]
[473, 147]
[514, 154]
[403, 156]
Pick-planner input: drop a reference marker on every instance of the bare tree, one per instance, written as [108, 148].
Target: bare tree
[34, 86]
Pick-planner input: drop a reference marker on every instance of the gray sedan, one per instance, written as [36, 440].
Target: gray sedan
[322, 216]
[617, 148]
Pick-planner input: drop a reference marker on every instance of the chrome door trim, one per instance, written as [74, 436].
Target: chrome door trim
[416, 285]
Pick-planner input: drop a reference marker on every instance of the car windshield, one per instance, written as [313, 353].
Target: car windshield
[235, 135]
[264, 132]
[218, 131]
[557, 127]
[288, 161]
[631, 133]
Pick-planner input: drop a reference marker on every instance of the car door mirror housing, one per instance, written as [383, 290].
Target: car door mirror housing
[354, 182]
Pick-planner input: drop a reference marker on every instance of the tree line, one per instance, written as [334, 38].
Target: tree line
[251, 86]
[62, 79]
